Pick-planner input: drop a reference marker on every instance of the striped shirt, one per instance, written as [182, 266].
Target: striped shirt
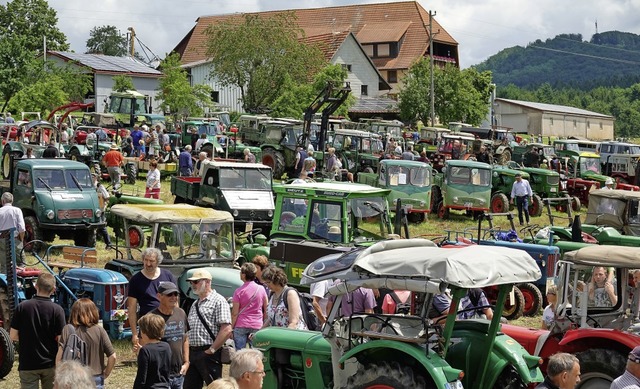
[215, 310]
[626, 381]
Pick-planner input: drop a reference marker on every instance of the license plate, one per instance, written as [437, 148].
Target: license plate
[454, 385]
[248, 227]
[468, 205]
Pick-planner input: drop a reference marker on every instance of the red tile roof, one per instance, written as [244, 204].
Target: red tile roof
[354, 18]
[329, 43]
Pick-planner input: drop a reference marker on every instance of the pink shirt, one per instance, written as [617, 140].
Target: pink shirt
[389, 306]
[250, 298]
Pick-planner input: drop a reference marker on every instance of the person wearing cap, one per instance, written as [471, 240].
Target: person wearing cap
[522, 193]
[185, 162]
[210, 313]
[143, 289]
[608, 184]
[563, 372]
[113, 159]
[175, 331]
[630, 379]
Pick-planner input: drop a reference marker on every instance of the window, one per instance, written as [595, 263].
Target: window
[392, 76]
[364, 90]
[368, 49]
[346, 66]
[383, 50]
[215, 96]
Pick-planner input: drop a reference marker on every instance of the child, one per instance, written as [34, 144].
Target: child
[154, 358]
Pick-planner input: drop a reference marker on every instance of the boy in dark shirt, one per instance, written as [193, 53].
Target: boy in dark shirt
[154, 358]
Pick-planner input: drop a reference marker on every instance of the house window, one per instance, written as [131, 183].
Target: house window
[551, 120]
[368, 49]
[346, 66]
[215, 96]
[383, 50]
[392, 76]
[364, 90]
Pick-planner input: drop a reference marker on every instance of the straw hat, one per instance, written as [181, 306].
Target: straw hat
[114, 146]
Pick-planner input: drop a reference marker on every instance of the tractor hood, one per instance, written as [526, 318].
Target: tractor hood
[589, 175]
[248, 199]
[419, 265]
[68, 207]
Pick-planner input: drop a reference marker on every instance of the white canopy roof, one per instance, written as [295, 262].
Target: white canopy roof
[170, 213]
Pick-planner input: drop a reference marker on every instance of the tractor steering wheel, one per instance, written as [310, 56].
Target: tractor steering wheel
[249, 234]
[37, 248]
[589, 318]
[191, 256]
[529, 230]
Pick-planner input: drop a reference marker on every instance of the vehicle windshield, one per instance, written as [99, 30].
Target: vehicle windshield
[466, 175]
[57, 179]
[409, 176]
[212, 240]
[548, 150]
[589, 284]
[251, 179]
[206, 128]
[367, 217]
[123, 105]
[590, 164]
[568, 146]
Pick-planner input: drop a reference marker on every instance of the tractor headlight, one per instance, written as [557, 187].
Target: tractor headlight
[422, 204]
[395, 202]
[270, 213]
[50, 214]
[235, 213]
[455, 199]
[98, 213]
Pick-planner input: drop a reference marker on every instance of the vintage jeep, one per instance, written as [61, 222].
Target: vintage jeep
[462, 185]
[406, 351]
[597, 335]
[189, 237]
[409, 181]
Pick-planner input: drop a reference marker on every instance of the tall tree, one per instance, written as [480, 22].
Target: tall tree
[34, 20]
[176, 92]
[106, 40]
[258, 54]
[122, 83]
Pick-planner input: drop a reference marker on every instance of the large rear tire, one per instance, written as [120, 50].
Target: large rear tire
[86, 239]
[532, 299]
[536, 206]
[499, 203]
[383, 375]
[7, 353]
[132, 173]
[275, 160]
[443, 212]
[514, 311]
[32, 232]
[509, 379]
[7, 167]
[599, 367]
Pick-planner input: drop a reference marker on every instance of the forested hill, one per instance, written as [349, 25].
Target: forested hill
[608, 59]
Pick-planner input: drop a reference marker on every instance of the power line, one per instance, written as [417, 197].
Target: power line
[586, 55]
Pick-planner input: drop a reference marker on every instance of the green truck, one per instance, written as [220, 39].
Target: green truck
[410, 183]
[56, 197]
[462, 186]
[242, 189]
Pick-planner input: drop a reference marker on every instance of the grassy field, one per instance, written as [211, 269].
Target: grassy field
[124, 373]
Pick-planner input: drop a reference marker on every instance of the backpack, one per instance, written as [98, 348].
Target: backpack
[403, 308]
[75, 349]
[306, 307]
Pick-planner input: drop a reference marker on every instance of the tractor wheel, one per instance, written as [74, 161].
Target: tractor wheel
[6, 161]
[513, 312]
[416, 217]
[536, 206]
[385, 375]
[443, 212]
[275, 160]
[7, 353]
[132, 173]
[87, 239]
[499, 203]
[5, 309]
[505, 157]
[32, 232]
[599, 367]
[435, 199]
[208, 148]
[179, 200]
[509, 379]
[575, 204]
[532, 299]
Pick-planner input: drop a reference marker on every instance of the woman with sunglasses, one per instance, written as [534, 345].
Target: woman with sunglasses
[281, 313]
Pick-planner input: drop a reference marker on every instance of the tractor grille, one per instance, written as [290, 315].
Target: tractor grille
[75, 214]
[553, 180]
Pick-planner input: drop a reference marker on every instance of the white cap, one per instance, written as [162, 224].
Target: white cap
[609, 181]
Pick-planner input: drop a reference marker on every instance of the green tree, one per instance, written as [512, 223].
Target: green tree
[176, 93]
[34, 20]
[123, 83]
[43, 95]
[459, 95]
[258, 54]
[106, 40]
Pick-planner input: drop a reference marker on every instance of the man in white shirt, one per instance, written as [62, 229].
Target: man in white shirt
[522, 193]
[11, 217]
[319, 291]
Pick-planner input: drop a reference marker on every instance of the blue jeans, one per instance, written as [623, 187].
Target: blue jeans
[99, 381]
[241, 337]
[175, 382]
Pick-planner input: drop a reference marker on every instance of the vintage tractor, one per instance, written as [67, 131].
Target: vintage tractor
[354, 351]
[448, 146]
[462, 186]
[501, 185]
[599, 333]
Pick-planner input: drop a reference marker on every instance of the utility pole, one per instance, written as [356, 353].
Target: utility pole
[431, 90]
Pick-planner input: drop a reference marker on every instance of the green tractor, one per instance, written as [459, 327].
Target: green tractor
[410, 183]
[407, 351]
[462, 186]
[358, 151]
[277, 140]
[501, 184]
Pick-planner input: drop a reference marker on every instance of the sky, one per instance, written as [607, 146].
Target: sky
[481, 27]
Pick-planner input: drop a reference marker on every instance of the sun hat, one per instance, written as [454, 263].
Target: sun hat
[199, 274]
[114, 146]
[609, 181]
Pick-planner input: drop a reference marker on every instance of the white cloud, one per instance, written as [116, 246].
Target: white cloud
[482, 28]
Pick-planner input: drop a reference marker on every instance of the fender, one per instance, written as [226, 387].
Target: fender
[14, 146]
[82, 149]
[604, 334]
[433, 365]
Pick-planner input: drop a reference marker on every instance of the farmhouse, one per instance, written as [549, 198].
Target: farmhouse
[552, 120]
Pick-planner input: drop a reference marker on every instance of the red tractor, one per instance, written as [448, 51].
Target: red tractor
[595, 326]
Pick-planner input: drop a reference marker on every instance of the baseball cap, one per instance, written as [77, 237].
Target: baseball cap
[199, 274]
[634, 355]
[167, 287]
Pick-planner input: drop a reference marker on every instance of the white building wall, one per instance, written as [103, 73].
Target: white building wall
[230, 97]
[362, 70]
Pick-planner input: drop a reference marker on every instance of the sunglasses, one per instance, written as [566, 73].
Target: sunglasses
[174, 294]
[195, 282]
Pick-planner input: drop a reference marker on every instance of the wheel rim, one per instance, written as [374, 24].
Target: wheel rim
[594, 381]
[441, 211]
[269, 160]
[497, 204]
[529, 299]
[6, 164]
